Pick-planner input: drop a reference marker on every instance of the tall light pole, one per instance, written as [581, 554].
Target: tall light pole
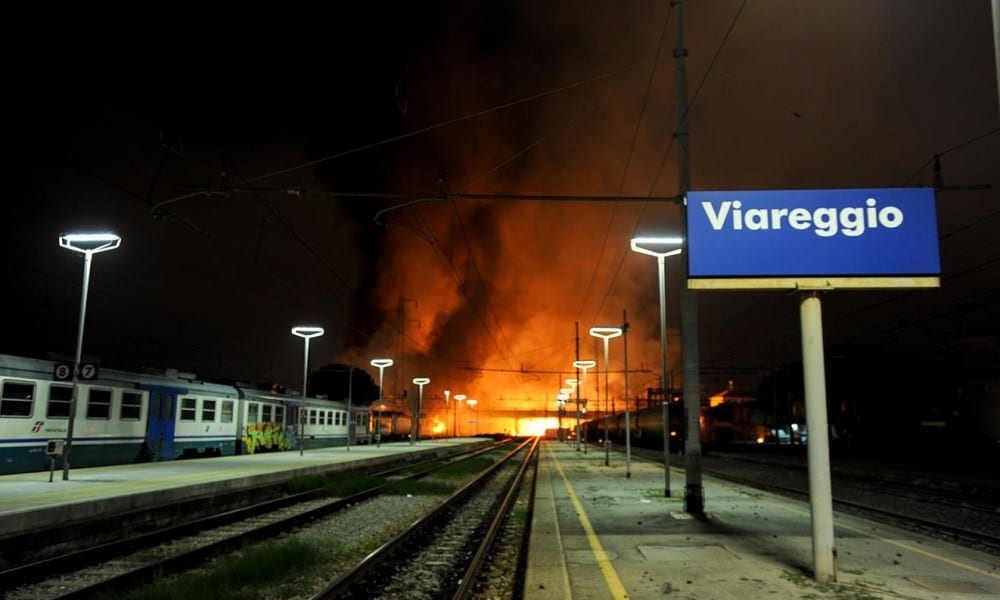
[87, 244]
[380, 364]
[415, 422]
[306, 332]
[458, 399]
[606, 333]
[581, 365]
[661, 248]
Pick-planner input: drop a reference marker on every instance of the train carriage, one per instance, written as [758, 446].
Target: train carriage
[125, 417]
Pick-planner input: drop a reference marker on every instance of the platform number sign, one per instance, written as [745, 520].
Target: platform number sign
[64, 371]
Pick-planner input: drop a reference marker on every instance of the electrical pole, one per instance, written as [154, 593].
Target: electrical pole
[694, 500]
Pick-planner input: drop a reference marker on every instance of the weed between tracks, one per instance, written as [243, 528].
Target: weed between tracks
[295, 565]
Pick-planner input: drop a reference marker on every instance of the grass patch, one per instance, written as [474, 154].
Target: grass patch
[421, 487]
[465, 468]
[235, 577]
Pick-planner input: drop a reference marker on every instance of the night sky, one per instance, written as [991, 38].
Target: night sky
[127, 127]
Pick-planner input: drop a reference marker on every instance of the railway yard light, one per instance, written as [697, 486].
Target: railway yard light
[606, 333]
[87, 244]
[415, 422]
[661, 248]
[306, 332]
[582, 365]
[458, 399]
[380, 364]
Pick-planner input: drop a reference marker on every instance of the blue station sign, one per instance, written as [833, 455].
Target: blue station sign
[841, 233]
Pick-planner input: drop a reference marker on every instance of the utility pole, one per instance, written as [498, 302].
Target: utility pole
[694, 500]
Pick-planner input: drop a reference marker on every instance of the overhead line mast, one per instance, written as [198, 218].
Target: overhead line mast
[694, 499]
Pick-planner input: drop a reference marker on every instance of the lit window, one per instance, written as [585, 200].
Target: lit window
[227, 412]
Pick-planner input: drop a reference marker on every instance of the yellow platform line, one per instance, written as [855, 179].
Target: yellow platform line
[921, 551]
[607, 570]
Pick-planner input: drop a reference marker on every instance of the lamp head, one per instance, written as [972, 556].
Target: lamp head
[381, 363]
[89, 243]
[459, 397]
[585, 364]
[307, 331]
[421, 381]
[606, 332]
[660, 247]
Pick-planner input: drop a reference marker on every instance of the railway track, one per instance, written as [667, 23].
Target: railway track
[450, 553]
[129, 563]
[939, 511]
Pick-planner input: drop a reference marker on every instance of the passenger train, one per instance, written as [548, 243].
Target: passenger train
[126, 417]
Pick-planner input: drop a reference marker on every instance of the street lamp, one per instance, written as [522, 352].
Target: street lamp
[662, 247]
[606, 333]
[582, 365]
[87, 244]
[306, 332]
[380, 364]
[415, 422]
[458, 399]
[472, 402]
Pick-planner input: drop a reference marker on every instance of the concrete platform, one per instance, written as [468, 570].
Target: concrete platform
[29, 502]
[597, 534]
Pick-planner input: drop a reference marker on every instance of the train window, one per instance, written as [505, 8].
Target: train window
[266, 413]
[336, 418]
[99, 404]
[279, 414]
[15, 400]
[312, 416]
[252, 411]
[208, 411]
[131, 406]
[227, 412]
[189, 409]
[59, 398]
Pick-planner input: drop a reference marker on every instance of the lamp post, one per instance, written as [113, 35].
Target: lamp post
[306, 332]
[380, 364]
[415, 422]
[458, 399]
[606, 333]
[662, 247]
[87, 244]
[472, 402]
[583, 365]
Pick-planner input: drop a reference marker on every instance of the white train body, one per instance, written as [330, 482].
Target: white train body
[125, 417]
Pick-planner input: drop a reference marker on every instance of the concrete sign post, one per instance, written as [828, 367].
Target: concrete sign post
[813, 241]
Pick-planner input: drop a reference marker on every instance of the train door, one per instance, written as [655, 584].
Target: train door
[162, 417]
